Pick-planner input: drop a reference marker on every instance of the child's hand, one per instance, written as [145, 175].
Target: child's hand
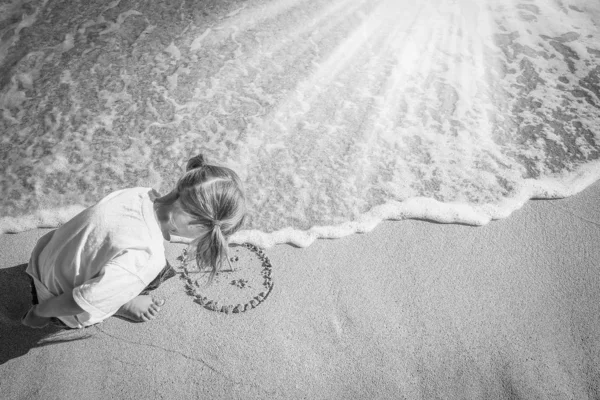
[34, 321]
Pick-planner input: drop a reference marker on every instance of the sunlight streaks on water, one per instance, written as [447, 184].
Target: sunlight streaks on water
[336, 114]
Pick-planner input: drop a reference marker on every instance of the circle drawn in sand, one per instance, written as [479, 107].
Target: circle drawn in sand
[233, 290]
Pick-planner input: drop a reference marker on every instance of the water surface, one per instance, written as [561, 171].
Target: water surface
[336, 114]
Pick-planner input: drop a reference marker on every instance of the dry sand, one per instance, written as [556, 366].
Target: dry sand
[413, 310]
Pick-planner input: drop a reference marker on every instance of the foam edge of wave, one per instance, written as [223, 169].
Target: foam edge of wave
[50, 218]
[423, 208]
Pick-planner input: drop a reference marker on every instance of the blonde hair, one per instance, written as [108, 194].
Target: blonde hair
[214, 196]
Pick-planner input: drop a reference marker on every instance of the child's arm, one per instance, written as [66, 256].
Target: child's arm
[59, 306]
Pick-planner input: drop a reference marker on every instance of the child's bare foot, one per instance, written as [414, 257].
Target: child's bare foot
[34, 321]
[141, 309]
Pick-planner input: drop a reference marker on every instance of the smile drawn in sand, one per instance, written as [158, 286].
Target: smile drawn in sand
[243, 287]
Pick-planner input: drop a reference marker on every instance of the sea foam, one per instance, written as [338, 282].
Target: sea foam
[336, 114]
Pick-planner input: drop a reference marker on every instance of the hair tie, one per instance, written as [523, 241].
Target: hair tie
[217, 223]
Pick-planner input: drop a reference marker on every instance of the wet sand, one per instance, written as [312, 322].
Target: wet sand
[411, 310]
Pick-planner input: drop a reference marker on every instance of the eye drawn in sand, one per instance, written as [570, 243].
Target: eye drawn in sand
[233, 290]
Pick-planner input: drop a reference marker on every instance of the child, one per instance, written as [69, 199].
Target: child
[97, 264]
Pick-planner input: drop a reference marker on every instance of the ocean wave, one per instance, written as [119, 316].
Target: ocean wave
[336, 114]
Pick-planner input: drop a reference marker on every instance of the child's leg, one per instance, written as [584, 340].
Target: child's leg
[141, 309]
[144, 308]
[167, 273]
[31, 321]
[34, 298]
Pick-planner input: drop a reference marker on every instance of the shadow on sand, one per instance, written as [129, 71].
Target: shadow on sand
[15, 299]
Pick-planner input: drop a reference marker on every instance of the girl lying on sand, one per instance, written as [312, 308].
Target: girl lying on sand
[104, 260]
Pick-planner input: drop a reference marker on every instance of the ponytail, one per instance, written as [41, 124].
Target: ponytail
[211, 249]
[215, 197]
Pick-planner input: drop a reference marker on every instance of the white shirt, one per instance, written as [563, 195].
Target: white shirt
[107, 255]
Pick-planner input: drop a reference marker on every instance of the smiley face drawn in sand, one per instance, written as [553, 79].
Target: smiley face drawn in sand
[233, 290]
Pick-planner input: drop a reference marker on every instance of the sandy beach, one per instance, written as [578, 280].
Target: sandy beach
[411, 310]
[335, 115]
